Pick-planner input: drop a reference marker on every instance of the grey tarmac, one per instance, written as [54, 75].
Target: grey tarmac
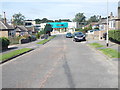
[60, 63]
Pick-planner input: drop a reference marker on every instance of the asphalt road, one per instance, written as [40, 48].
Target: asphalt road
[60, 63]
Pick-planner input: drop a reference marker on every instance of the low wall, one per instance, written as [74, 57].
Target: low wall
[97, 35]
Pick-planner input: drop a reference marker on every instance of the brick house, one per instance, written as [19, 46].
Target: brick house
[6, 30]
[21, 30]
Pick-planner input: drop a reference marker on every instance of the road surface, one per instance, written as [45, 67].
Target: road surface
[60, 63]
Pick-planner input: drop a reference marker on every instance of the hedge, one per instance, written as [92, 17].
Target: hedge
[114, 35]
[4, 42]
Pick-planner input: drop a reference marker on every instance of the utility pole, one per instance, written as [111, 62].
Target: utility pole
[107, 42]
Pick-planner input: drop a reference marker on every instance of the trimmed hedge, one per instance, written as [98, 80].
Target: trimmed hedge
[114, 35]
[4, 42]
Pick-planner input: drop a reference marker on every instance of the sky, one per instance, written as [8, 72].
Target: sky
[57, 9]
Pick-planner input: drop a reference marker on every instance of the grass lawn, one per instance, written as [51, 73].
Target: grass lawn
[111, 52]
[96, 45]
[13, 53]
[45, 40]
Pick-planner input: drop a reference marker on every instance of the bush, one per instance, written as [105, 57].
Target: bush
[4, 42]
[114, 35]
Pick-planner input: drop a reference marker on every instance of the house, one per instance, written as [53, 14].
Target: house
[118, 21]
[114, 22]
[30, 25]
[93, 24]
[6, 30]
[21, 30]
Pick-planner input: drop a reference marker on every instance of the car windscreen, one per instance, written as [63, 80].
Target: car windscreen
[78, 33]
[68, 33]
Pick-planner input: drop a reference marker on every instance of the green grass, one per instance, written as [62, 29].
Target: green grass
[96, 45]
[45, 40]
[13, 53]
[111, 52]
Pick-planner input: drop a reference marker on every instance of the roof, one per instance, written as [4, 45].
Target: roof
[103, 21]
[21, 29]
[30, 28]
[5, 25]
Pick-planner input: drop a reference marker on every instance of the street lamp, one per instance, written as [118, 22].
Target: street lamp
[107, 42]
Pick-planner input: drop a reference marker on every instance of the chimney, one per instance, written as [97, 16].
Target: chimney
[111, 15]
[100, 18]
[5, 21]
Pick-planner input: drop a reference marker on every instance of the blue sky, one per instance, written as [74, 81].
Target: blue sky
[57, 9]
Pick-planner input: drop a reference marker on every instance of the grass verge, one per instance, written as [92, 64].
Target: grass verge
[107, 51]
[13, 53]
[111, 52]
[46, 40]
[96, 45]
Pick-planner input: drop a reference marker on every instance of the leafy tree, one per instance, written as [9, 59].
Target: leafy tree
[93, 19]
[18, 19]
[44, 20]
[48, 29]
[79, 17]
[38, 21]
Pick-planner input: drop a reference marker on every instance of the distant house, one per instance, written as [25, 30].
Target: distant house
[30, 25]
[114, 22]
[6, 30]
[21, 30]
[103, 24]
[93, 24]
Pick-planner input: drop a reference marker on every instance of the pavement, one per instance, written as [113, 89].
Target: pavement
[112, 45]
[32, 45]
[61, 63]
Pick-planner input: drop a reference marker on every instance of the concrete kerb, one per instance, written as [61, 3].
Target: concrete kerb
[21, 54]
[14, 56]
[97, 50]
[108, 59]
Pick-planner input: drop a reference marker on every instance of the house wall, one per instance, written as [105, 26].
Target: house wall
[3, 33]
[117, 25]
[112, 25]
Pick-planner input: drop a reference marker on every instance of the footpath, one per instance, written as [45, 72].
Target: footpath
[32, 45]
[112, 45]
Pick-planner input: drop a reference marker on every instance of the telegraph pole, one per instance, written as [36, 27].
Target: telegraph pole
[107, 42]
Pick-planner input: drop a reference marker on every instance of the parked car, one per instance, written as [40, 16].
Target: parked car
[90, 31]
[79, 36]
[69, 35]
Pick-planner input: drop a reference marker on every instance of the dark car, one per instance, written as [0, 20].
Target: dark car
[105, 35]
[69, 35]
[79, 36]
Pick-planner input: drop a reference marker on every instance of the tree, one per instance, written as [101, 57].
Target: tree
[18, 19]
[37, 21]
[44, 20]
[48, 29]
[93, 19]
[79, 17]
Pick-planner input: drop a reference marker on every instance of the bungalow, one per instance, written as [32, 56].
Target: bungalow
[21, 30]
[6, 30]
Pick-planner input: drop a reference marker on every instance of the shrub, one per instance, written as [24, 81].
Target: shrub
[114, 35]
[4, 42]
